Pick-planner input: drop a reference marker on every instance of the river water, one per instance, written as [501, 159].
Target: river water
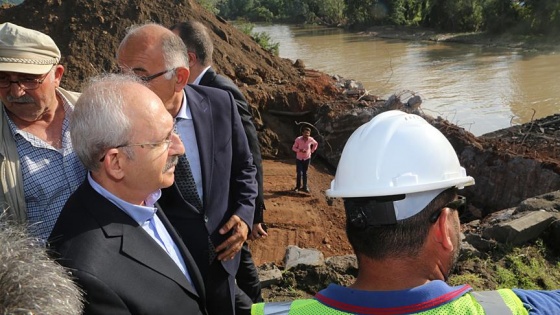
[481, 89]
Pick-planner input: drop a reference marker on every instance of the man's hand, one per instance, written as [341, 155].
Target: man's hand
[257, 232]
[233, 244]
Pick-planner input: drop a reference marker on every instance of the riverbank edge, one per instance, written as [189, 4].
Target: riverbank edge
[506, 40]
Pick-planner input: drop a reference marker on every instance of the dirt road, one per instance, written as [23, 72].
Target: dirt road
[297, 218]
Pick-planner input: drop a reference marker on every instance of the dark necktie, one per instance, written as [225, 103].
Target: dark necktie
[187, 186]
[185, 181]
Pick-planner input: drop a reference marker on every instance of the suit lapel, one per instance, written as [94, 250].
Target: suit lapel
[192, 269]
[204, 131]
[141, 247]
[136, 243]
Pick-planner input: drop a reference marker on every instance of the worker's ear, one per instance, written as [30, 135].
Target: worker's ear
[443, 229]
[181, 77]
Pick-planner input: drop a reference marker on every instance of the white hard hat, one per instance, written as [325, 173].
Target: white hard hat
[397, 153]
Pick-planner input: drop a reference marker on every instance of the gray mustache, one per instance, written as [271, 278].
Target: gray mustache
[172, 161]
[22, 99]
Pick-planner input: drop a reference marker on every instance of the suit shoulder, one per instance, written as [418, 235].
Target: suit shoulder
[205, 90]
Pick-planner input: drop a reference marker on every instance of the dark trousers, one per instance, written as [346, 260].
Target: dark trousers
[301, 171]
[243, 303]
[219, 298]
[247, 277]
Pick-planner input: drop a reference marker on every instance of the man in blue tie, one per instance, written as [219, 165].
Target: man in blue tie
[120, 246]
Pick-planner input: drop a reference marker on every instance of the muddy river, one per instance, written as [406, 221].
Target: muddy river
[479, 88]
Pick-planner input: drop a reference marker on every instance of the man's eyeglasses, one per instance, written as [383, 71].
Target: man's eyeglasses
[459, 204]
[153, 76]
[26, 84]
[150, 145]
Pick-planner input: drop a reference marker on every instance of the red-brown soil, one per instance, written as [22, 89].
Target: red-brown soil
[297, 218]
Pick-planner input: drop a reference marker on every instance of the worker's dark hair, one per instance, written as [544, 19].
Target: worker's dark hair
[405, 238]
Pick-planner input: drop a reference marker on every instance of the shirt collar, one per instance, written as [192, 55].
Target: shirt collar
[185, 111]
[138, 213]
[197, 80]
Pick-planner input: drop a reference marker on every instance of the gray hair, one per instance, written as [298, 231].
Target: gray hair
[174, 50]
[30, 281]
[195, 35]
[99, 121]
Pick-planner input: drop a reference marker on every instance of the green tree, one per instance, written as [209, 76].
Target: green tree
[332, 11]
[234, 9]
[500, 15]
[456, 16]
[407, 12]
[296, 10]
[543, 16]
[366, 12]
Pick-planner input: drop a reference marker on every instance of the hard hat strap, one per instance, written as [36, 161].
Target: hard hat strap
[370, 212]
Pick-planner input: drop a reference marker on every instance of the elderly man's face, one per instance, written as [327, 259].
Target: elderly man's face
[156, 149]
[31, 105]
[145, 59]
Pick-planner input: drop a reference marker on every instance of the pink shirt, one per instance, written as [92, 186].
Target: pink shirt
[304, 148]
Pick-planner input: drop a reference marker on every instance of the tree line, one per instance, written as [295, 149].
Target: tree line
[540, 17]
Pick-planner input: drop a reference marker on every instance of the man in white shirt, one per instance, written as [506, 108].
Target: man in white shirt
[119, 245]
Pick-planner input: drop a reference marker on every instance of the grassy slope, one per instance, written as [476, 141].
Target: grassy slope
[532, 266]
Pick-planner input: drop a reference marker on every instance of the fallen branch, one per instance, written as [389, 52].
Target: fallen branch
[549, 122]
[530, 126]
[286, 113]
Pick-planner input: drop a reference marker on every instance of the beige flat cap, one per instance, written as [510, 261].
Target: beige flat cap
[25, 50]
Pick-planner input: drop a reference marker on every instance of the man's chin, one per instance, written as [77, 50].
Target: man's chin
[168, 180]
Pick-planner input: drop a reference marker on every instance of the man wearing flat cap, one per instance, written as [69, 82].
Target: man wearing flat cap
[38, 168]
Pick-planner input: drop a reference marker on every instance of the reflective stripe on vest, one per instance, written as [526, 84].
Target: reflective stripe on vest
[492, 302]
[277, 308]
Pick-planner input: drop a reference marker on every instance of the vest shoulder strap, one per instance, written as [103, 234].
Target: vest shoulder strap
[492, 302]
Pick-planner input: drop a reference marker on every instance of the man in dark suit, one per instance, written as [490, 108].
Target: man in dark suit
[200, 49]
[121, 248]
[211, 203]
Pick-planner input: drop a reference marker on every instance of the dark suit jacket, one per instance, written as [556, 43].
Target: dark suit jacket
[212, 79]
[228, 173]
[120, 267]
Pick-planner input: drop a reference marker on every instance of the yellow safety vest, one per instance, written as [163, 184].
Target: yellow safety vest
[500, 302]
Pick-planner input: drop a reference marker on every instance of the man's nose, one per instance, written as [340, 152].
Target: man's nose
[16, 90]
[176, 147]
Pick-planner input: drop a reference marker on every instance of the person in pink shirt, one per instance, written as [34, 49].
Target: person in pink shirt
[303, 146]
